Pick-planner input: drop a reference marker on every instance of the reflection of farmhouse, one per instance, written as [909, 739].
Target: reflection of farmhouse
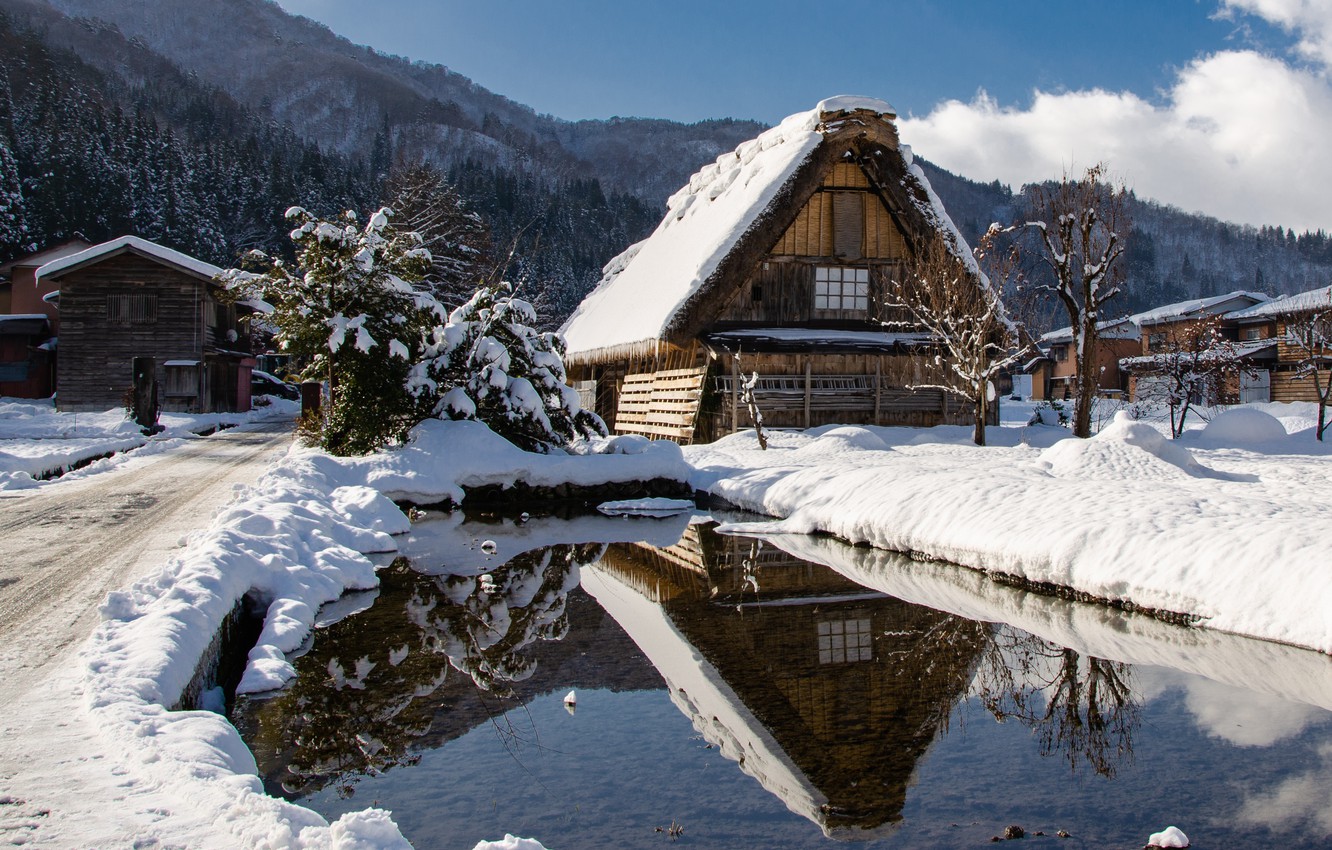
[779, 251]
[826, 693]
[131, 298]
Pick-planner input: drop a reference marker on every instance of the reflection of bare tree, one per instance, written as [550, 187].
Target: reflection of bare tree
[1077, 705]
[360, 698]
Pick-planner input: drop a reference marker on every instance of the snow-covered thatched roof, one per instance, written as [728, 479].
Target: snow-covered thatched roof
[660, 289]
[128, 244]
[1300, 302]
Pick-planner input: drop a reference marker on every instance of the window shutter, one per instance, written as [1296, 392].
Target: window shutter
[848, 225]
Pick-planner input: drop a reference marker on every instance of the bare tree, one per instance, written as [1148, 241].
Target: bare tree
[944, 294]
[1082, 226]
[1309, 331]
[1190, 366]
[425, 202]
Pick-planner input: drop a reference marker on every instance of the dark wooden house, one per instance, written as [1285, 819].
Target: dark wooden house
[773, 260]
[131, 298]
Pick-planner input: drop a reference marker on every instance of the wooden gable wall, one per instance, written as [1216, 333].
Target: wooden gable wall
[845, 224]
[845, 190]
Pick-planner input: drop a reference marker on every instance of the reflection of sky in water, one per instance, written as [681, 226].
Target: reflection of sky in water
[1301, 802]
[1241, 717]
[1230, 765]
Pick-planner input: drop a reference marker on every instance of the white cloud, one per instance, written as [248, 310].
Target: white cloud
[1239, 135]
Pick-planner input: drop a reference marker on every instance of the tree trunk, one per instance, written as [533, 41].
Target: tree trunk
[982, 411]
[1087, 384]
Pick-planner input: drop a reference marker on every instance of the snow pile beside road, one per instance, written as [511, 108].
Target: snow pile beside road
[1232, 535]
[298, 539]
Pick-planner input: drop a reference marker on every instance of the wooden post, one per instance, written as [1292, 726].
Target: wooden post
[808, 389]
[878, 376]
[735, 394]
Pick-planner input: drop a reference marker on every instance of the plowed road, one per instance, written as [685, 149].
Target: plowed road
[65, 545]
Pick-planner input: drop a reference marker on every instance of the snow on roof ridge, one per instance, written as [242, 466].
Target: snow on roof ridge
[143, 246]
[1296, 302]
[1158, 314]
[855, 103]
[1180, 308]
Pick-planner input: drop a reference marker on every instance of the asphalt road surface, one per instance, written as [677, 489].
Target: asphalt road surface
[65, 545]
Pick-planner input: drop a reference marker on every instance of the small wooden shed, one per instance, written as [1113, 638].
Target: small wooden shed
[773, 261]
[131, 298]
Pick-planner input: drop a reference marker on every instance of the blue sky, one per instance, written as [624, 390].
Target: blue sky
[1192, 101]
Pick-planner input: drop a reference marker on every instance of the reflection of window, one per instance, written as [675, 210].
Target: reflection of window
[844, 640]
[135, 309]
[841, 288]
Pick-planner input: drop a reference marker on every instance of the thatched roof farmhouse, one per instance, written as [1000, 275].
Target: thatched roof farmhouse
[773, 260]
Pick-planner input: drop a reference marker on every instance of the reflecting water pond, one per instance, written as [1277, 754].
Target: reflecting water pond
[779, 692]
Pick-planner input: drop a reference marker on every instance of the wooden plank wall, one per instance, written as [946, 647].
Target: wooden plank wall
[661, 404]
[812, 233]
[94, 364]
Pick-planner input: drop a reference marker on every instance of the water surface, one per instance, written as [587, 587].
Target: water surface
[784, 692]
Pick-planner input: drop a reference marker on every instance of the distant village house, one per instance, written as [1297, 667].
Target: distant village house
[131, 298]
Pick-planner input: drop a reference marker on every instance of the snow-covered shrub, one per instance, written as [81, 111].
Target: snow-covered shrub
[489, 363]
[350, 307]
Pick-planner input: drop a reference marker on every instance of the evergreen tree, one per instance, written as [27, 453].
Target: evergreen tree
[491, 364]
[13, 217]
[348, 305]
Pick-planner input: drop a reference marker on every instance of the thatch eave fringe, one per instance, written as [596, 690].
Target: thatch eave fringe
[643, 348]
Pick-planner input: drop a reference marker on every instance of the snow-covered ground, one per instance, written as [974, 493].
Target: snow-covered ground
[1224, 525]
[37, 441]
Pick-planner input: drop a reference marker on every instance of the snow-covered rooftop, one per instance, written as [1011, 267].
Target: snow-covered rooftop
[1130, 327]
[1194, 307]
[643, 288]
[1298, 303]
[1110, 329]
[128, 243]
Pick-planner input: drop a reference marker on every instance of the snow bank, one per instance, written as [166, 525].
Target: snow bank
[1126, 449]
[1231, 535]
[1243, 426]
[444, 457]
[298, 539]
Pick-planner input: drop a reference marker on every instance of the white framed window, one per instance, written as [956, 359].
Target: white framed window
[841, 288]
[135, 309]
[841, 641]
[1249, 334]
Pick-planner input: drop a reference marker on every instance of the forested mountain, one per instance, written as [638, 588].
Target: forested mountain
[1172, 255]
[173, 119]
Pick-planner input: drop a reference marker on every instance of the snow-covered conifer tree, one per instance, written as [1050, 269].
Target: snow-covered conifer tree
[491, 364]
[13, 220]
[349, 305]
